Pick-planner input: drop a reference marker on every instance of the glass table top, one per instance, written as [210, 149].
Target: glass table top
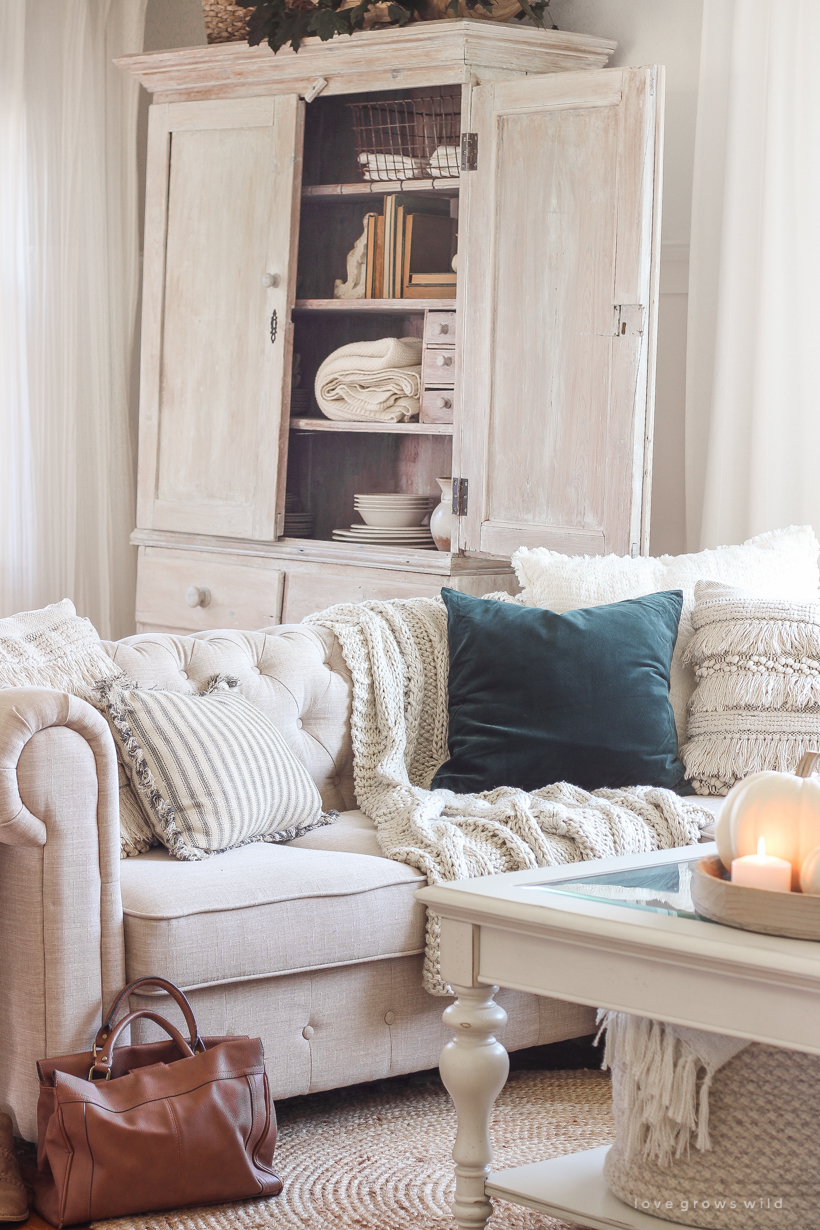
[660, 890]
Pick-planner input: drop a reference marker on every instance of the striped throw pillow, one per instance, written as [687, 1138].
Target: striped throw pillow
[210, 770]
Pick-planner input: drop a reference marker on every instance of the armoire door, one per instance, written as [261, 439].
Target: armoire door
[560, 245]
[222, 213]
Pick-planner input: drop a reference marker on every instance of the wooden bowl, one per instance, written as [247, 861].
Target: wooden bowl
[753, 909]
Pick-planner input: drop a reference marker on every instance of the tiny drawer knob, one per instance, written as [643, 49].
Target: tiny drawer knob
[270, 280]
[389, 1018]
[307, 1033]
[194, 596]
[443, 403]
[442, 328]
[445, 360]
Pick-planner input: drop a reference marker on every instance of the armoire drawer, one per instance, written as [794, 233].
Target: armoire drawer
[440, 329]
[436, 406]
[438, 368]
[193, 590]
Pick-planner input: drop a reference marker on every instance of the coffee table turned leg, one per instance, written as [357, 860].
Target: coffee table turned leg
[474, 1067]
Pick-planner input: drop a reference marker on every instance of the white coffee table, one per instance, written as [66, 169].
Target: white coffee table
[532, 931]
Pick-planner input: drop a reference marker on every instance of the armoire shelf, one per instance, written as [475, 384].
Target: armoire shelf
[329, 192]
[378, 307]
[387, 429]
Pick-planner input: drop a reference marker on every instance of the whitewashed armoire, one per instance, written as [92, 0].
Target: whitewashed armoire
[253, 199]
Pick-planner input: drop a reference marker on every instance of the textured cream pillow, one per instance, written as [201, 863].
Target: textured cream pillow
[757, 701]
[781, 564]
[53, 648]
[56, 648]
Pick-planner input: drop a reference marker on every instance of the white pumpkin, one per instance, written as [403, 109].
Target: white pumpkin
[781, 808]
[810, 872]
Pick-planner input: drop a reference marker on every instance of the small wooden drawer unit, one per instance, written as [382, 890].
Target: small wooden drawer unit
[189, 591]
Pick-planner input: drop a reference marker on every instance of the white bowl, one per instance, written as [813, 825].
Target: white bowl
[392, 499]
[384, 517]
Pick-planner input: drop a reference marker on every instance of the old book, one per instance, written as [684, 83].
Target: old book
[370, 267]
[378, 258]
[428, 250]
[394, 239]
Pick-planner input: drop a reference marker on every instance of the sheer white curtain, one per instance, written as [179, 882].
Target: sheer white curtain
[68, 292]
[753, 378]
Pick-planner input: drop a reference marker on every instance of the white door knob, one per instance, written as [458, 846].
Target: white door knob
[445, 360]
[194, 596]
[443, 329]
[443, 403]
[270, 279]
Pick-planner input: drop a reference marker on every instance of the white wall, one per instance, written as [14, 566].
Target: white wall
[648, 32]
[661, 32]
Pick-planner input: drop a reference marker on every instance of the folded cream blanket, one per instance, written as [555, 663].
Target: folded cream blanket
[371, 381]
[397, 654]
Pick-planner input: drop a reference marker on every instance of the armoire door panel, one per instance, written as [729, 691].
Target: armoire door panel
[554, 392]
[232, 182]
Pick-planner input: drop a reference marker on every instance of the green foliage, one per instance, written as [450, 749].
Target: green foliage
[279, 22]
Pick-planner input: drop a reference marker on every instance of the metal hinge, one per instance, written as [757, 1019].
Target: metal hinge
[280, 524]
[459, 497]
[633, 550]
[469, 151]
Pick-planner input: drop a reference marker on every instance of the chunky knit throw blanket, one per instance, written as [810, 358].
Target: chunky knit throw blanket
[397, 654]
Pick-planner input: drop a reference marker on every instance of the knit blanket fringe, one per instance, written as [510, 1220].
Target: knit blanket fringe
[664, 1073]
[397, 654]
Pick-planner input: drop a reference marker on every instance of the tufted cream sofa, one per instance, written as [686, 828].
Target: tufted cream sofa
[315, 946]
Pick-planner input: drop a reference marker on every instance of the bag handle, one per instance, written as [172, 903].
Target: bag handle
[104, 1032]
[101, 1067]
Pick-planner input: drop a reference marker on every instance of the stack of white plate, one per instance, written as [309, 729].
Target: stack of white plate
[391, 520]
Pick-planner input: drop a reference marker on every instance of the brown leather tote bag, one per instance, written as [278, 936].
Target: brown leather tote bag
[133, 1129]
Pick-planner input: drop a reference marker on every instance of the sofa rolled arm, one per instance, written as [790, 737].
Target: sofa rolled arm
[63, 956]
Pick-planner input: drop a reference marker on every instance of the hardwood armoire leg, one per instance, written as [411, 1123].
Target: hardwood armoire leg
[474, 1068]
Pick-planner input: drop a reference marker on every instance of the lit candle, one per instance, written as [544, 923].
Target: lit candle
[762, 871]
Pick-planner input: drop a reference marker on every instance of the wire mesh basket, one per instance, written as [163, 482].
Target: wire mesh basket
[408, 138]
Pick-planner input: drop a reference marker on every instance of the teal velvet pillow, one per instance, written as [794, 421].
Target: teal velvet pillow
[583, 697]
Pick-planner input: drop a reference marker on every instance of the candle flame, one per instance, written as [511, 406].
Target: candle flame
[761, 848]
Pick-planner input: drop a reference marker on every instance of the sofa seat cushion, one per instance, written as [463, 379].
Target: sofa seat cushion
[264, 910]
[353, 833]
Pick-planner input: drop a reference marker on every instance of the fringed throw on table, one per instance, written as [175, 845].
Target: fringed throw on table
[397, 654]
[665, 1072]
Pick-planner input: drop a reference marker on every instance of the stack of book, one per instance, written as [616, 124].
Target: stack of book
[410, 248]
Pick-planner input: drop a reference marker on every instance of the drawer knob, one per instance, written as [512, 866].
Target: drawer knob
[270, 280]
[442, 328]
[194, 596]
[445, 360]
[443, 403]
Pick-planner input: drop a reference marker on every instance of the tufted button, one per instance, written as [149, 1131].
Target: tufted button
[299, 723]
[256, 670]
[307, 1033]
[389, 1018]
[336, 780]
[184, 674]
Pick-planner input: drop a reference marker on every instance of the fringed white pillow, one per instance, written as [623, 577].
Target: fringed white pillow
[757, 701]
[53, 648]
[211, 771]
[57, 648]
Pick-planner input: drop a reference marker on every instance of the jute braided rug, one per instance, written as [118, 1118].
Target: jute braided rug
[377, 1157]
